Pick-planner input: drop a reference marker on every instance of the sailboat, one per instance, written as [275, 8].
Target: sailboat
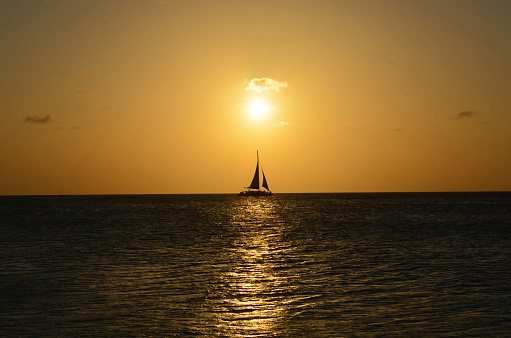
[255, 187]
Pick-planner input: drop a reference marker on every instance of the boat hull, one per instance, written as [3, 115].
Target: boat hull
[255, 193]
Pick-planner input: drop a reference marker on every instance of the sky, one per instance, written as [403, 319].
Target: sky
[172, 97]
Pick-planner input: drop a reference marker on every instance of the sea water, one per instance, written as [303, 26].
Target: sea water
[291, 265]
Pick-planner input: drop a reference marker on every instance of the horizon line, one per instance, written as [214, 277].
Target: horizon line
[278, 193]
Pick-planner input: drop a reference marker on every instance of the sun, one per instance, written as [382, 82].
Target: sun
[257, 109]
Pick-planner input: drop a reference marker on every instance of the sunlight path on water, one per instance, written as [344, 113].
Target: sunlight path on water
[253, 296]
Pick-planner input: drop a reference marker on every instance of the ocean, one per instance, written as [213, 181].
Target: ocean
[291, 265]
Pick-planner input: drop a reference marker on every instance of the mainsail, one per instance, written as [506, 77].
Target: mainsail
[255, 180]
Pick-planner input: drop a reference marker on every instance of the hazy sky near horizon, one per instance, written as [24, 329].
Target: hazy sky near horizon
[155, 96]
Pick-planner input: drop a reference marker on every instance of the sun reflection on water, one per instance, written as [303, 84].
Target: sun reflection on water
[249, 298]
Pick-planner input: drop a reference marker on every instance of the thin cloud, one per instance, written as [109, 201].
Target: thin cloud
[281, 124]
[265, 84]
[38, 119]
[463, 114]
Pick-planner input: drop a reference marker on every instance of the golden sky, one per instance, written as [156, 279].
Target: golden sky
[148, 96]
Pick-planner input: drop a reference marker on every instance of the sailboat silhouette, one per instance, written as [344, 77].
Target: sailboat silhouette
[255, 187]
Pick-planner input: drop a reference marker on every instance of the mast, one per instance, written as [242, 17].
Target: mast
[258, 171]
[255, 181]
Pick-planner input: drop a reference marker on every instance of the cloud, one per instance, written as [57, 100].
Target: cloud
[281, 124]
[38, 119]
[463, 114]
[265, 84]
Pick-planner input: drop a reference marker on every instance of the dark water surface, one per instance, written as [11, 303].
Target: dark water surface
[292, 265]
